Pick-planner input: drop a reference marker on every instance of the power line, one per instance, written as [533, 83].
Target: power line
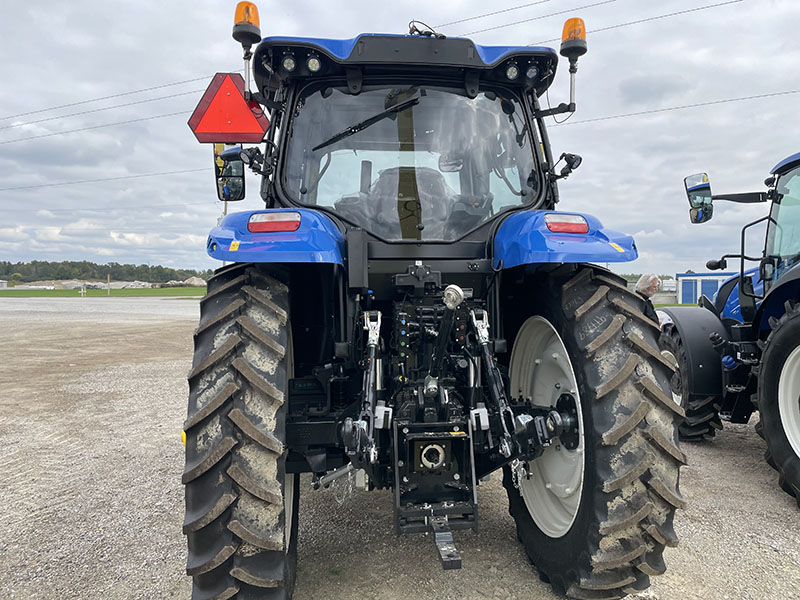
[683, 107]
[674, 14]
[561, 12]
[43, 185]
[605, 118]
[94, 110]
[491, 14]
[147, 89]
[44, 135]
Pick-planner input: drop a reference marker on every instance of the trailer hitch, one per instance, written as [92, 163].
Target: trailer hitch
[443, 537]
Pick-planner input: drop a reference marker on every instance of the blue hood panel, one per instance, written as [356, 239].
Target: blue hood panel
[317, 240]
[523, 239]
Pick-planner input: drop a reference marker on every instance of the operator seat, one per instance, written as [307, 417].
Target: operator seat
[407, 197]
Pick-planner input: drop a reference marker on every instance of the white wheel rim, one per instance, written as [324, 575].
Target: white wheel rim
[541, 370]
[676, 398]
[789, 399]
[288, 508]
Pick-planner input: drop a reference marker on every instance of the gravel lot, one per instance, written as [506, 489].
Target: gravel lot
[93, 398]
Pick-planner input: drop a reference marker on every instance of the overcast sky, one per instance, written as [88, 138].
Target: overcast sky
[56, 53]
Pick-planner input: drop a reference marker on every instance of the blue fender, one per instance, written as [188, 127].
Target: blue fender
[523, 239]
[732, 309]
[317, 240]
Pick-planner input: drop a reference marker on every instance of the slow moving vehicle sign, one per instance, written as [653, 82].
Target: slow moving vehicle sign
[224, 115]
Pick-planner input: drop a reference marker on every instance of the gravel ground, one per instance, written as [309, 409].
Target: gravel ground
[91, 505]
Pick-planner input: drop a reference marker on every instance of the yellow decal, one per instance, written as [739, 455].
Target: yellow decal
[235, 246]
[616, 247]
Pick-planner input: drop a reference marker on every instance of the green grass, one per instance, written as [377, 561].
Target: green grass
[177, 291]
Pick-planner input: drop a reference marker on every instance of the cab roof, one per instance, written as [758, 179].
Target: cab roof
[386, 53]
[787, 163]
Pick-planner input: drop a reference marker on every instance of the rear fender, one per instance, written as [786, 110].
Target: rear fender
[694, 325]
[317, 240]
[524, 239]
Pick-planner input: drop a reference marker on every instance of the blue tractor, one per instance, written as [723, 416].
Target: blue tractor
[410, 312]
[740, 351]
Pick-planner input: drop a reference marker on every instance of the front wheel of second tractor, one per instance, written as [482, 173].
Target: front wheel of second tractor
[595, 511]
[779, 399]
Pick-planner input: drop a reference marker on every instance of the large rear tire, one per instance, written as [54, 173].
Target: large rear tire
[595, 519]
[779, 399]
[241, 506]
[702, 411]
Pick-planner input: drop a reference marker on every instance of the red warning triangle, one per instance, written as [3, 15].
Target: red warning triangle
[223, 114]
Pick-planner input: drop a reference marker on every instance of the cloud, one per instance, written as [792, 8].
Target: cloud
[631, 176]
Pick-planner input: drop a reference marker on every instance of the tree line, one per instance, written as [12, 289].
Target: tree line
[39, 270]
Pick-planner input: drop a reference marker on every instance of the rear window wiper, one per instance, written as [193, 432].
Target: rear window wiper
[412, 100]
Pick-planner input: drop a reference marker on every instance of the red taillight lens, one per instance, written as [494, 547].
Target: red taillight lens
[276, 221]
[558, 223]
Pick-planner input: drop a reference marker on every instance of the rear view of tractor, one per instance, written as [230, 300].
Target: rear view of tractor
[410, 311]
[740, 352]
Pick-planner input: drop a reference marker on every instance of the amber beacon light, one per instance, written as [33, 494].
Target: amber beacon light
[246, 29]
[573, 39]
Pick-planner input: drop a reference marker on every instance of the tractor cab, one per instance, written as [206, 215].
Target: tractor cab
[424, 153]
[782, 245]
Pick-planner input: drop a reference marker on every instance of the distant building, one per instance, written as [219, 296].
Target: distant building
[3, 283]
[693, 285]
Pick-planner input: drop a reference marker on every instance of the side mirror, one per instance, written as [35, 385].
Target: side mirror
[698, 190]
[229, 173]
[701, 215]
[767, 268]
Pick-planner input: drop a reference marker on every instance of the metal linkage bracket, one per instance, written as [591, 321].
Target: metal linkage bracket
[451, 558]
[497, 393]
[372, 324]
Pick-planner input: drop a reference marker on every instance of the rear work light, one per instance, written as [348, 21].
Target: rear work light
[558, 223]
[276, 221]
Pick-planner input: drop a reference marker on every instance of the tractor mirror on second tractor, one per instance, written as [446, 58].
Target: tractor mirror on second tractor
[229, 171]
[698, 192]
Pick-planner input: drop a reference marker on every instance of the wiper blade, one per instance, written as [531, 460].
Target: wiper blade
[362, 125]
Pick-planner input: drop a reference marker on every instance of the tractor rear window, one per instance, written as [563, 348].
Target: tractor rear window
[411, 163]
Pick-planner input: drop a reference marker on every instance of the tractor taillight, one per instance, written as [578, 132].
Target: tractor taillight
[558, 223]
[275, 221]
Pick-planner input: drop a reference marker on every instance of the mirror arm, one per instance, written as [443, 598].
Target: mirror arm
[560, 109]
[743, 198]
[262, 100]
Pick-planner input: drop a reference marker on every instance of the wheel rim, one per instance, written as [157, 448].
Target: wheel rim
[541, 370]
[675, 382]
[789, 399]
[288, 508]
